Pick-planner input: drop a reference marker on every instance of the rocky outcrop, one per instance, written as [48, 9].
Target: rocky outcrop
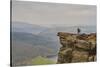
[77, 47]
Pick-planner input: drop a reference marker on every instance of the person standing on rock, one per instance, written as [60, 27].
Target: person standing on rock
[78, 30]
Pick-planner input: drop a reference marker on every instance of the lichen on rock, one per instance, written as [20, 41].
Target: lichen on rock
[77, 47]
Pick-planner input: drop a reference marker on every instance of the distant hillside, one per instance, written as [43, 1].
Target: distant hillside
[73, 29]
[26, 46]
[27, 28]
[33, 39]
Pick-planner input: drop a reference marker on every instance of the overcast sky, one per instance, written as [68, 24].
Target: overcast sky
[53, 13]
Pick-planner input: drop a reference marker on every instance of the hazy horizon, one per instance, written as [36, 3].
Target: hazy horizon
[46, 14]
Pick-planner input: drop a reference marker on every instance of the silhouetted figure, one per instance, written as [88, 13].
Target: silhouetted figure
[78, 30]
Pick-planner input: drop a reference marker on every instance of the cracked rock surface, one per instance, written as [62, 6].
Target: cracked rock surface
[77, 47]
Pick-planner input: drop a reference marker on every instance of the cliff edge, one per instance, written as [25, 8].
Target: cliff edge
[77, 47]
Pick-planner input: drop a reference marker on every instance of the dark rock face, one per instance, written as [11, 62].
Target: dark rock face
[77, 47]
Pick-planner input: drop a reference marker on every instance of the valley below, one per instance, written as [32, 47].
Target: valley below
[32, 44]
